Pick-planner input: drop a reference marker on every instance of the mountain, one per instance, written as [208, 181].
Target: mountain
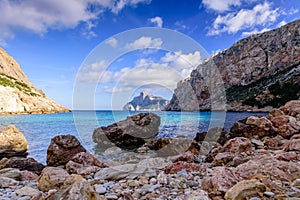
[146, 102]
[18, 95]
[258, 72]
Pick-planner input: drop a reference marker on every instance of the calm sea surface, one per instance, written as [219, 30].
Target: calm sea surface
[39, 129]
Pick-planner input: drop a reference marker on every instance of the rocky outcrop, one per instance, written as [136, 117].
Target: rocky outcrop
[12, 142]
[18, 94]
[258, 72]
[130, 133]
[146, 102]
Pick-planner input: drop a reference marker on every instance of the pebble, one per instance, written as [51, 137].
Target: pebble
[153, 181]
[269, 194]
[111, 196]
[100, 189]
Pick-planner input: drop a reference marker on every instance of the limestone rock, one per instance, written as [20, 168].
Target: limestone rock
[52, 178]
[271, 57]
[62, 149]
[245, 189]
[18, 94]
[12, 142]
[130, 133]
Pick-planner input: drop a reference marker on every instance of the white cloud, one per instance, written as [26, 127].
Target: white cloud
[144, 42]
[171, 68]
[261, 14]
[40, 16]
[113, 42]
[220, 5]
[157, 21]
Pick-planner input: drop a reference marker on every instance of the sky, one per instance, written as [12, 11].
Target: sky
[98, 54]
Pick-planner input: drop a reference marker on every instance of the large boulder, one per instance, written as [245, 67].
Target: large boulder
[130, 133]
[253, 126]
[62, 149]
[12, 142]
[286, 125]
[52, 178]
[79, 189]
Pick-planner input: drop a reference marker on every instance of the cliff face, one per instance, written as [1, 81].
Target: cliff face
[258, 72]
[18, 95]
[146, 102]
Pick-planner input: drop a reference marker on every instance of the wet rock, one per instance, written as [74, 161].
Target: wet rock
[29, 164]
[245, 189]
[130, 133]
[189, 167]
[52, 178]
[12, 142]
[80, 189]
[219, 181]
[270, 167]
[62, 149]
[238, 145]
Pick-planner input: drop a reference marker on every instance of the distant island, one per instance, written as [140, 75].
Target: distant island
[146, 102]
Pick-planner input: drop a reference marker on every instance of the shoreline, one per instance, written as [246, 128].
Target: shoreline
[258, 158]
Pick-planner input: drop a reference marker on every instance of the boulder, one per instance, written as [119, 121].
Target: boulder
[293, 144]
[88, 159]
[291, 108]
[219, 181]
[275, 142]
[130, 133]
[286, 126]
[238, 145]
[52, 178]
[79, 189]
[245, 189]
[253, 126]
[223, 158]
[12, 142]
[270, 167]
[29, 164]
[62, 149]
[11, 173]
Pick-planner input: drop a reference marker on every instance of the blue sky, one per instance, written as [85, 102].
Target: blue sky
[53, 40]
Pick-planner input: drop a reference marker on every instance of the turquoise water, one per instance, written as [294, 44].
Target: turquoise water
[39, 129]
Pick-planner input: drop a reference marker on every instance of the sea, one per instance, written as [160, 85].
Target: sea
[40, 128]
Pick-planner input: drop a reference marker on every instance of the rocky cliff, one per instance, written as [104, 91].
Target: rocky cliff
[146, 102]
[258, 72]
[18, 95]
